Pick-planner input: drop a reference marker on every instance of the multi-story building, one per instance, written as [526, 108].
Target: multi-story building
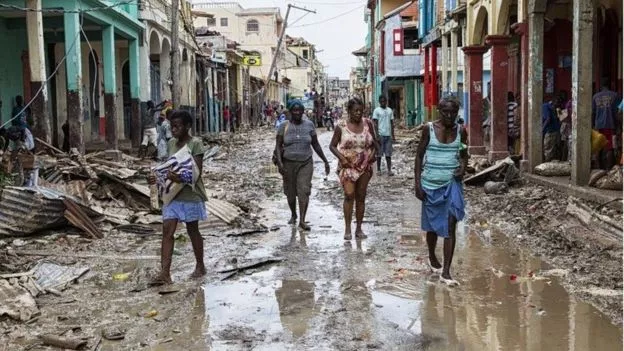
[257, 31]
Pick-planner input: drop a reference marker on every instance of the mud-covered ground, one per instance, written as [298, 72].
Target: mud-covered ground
[326, 294]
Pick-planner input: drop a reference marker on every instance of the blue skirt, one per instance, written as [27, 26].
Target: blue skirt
[185, 211]
[439, 204]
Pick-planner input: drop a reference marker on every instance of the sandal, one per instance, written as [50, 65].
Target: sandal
[433, 269]
[347, 236]
[449, 282]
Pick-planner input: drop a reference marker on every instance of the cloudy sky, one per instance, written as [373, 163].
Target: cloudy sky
[337, 28]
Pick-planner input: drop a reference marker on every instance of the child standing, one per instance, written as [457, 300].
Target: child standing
[188, 206]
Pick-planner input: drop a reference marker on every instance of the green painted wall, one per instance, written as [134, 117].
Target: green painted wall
[13, 42]
[410, 103]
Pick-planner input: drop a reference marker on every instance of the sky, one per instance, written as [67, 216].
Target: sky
[341, 31]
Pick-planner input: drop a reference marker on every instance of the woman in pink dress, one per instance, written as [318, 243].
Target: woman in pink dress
[355, 145]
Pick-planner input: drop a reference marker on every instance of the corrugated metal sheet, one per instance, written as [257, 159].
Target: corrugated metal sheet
[223, 209]
[24, 211]
[50, 275]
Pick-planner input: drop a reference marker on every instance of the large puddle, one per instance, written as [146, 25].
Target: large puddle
[508, 300]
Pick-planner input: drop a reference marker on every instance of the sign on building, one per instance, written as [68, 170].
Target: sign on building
[252, 60]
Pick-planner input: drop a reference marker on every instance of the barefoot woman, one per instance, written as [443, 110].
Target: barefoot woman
[294, 143]
[188, 205]
[355, 144]
[439, 167]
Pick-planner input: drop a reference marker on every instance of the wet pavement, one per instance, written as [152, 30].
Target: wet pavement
[328, 294]
[378, 293]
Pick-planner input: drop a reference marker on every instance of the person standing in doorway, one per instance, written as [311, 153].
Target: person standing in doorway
[604, 118]
[551, 130]
[227, 118]
[384, 125]
[150, 120]
[439, 167]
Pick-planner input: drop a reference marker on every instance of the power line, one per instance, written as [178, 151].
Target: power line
[329, 3]
[329, 19]
[92, 9]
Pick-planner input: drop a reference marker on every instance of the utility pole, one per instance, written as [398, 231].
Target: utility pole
[277, 50]
[175, 54]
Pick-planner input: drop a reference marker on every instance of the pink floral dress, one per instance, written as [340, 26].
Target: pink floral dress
[359, 149]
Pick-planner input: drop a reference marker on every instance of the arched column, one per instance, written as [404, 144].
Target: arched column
[474, 70]
[498, 113]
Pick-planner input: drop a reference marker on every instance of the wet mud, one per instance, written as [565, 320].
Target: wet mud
[326, 294]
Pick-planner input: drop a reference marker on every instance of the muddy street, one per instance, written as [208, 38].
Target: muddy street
[310, 290]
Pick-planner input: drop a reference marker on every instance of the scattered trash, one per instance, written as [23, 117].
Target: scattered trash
[151, 314]
[16, 302]
[513, 277]
[541, 312]
[495, 187]
[252, 264]
[553, 169]
[113, 333]
[121, 277]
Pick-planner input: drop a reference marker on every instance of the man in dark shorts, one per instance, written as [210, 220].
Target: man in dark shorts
[604, 119]
[384, 125]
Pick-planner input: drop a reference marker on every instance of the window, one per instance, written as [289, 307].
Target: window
[397, 42]
[410, 35]
[305, 54]
[253, 26]
[211, 21]
[224, 22]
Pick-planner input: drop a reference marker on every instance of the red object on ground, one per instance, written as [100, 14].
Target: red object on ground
[513, 277]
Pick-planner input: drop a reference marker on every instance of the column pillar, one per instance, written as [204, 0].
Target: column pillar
[583, 16]
[498, 126]
[73, 69]
[110, 86]
[474, 72]
[535, 93]
[444, 72]
[522, 30]
[135, 90]
[454, 87]
[427, 86]
[36, 56]
[434, 82]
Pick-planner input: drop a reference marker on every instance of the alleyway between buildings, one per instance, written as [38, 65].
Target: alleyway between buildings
[272, 287]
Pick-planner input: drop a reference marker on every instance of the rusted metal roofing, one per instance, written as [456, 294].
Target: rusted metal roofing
[24, 211]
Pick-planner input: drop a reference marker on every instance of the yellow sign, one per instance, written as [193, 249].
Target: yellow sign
[252, 60]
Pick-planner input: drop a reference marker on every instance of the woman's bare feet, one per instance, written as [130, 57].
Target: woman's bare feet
[161, 279]
[292, 220]
[347, 234]
[359, 234]
[198, 272]
[304, 226]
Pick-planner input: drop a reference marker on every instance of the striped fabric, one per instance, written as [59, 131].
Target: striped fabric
[182, 164]
[441, 161]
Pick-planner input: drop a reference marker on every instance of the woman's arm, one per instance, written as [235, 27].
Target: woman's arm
[418, 162]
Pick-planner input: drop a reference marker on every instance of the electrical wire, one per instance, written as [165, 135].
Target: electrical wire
[328, 3]
[328, 19]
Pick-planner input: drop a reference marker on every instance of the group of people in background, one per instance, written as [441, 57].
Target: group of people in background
[606, 123]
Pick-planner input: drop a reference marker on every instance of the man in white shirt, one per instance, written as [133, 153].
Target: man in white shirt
[384, 123]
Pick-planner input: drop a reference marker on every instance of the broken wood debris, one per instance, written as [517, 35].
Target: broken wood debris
[252, 264]
[593, 219]
[77, 217]
[64, 343]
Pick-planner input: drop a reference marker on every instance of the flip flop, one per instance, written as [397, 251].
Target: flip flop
[433, 269]
[449, 282]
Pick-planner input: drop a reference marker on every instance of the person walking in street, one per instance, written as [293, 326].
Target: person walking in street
[294, 143]
[513, 133]
[188, 205]
[604, 119]
[164, 135]
[551, 130]
[354, 144]
[384, 126]
[150, 120]
[439, 167]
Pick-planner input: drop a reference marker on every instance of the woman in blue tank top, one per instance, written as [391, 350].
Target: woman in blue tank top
[439, 168]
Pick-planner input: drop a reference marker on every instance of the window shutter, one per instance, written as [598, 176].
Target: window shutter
[397, 42]
[382, 54]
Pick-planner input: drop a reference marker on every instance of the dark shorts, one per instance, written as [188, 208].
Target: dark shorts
[298, 178]
[386, 146]
[608, 133]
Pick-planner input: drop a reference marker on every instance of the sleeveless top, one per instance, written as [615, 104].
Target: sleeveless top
[440, 161]
[357, 148]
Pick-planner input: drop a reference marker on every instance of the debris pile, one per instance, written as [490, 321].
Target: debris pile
[497, 178]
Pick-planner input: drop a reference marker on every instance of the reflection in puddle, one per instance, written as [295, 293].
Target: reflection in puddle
[404, 313]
